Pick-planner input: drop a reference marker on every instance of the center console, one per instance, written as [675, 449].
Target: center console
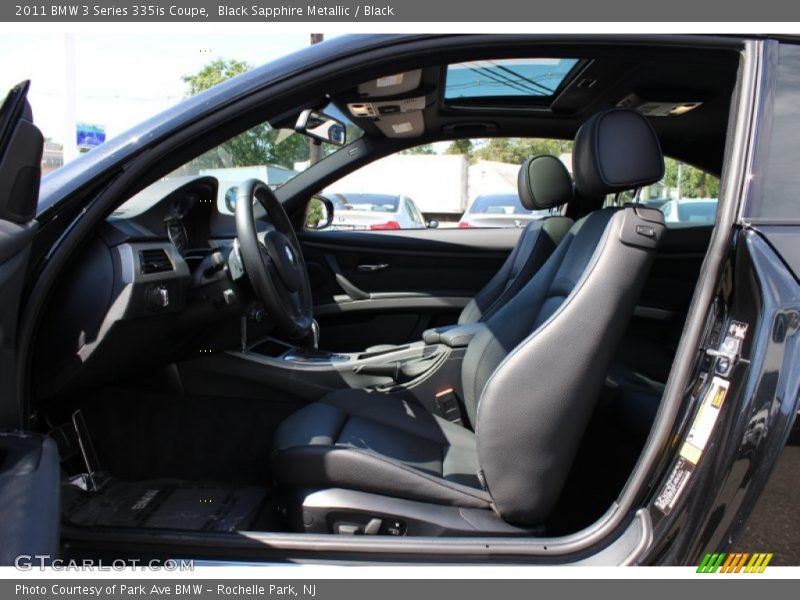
[428, 370]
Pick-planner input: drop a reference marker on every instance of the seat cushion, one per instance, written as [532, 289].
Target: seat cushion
[381, 444]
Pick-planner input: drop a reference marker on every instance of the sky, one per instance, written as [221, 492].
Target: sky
[122, 79]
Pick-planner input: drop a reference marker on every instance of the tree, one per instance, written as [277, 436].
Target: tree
[261, 145]
[516, 150]
[688, 181]
[217, 71]
[462, 146]
[423, 149]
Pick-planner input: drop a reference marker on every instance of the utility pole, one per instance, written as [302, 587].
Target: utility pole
[70, 147]
[315, 149]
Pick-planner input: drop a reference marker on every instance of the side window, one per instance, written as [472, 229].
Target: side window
[687, 195]
[465, 183]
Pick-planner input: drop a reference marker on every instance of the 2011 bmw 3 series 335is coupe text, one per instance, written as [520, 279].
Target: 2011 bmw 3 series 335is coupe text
[210, 359]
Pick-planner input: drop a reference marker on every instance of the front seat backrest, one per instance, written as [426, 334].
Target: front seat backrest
[543, 183]
[540, 364]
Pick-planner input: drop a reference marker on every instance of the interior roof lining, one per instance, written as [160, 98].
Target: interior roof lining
[696, 137]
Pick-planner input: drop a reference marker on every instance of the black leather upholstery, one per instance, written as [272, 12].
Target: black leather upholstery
[543, 182]
[533, 407]
[531, 378]
[635, 401]
[379, 443]
[581, 205]
[614, 151]
[536, 243]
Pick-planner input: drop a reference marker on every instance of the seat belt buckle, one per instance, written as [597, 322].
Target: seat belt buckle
[449, 407]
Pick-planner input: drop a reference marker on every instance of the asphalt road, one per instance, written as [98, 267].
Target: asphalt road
[774, 525]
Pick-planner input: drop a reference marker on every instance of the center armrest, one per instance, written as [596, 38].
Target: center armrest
[454, 336]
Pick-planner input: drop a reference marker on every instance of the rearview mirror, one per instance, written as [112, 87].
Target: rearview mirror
[321, 127]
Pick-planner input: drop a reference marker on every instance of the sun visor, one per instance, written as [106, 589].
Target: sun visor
[391, 85]
[401, 125]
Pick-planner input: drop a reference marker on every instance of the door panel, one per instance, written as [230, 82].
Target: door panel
[388, 287]
[21, 146]
[29, 468]
[15, 243]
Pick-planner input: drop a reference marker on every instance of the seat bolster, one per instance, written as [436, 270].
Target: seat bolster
[460, 455]
[357, 469]
[401, 414]
[314, 424]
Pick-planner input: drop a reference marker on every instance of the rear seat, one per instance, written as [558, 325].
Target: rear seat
[634, 401]
[636, 382]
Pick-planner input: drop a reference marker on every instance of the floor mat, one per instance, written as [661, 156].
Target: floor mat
[140, 435]
[163, 504]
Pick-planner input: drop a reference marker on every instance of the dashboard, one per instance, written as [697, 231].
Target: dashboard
[180, 209]
[152, 287]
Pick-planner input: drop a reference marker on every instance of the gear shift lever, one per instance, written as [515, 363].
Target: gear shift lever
[311, 350]
[314, 334]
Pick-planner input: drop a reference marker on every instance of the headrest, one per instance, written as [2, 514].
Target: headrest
[544, 182]
[614, 151]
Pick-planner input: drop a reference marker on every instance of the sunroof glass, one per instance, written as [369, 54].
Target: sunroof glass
[509, 77]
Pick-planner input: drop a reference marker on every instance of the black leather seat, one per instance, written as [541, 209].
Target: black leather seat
[543, 183]
[355, 461]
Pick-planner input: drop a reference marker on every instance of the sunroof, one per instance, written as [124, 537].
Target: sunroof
[521, 77]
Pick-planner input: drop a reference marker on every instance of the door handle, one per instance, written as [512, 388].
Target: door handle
[354, 292]
[372, 268]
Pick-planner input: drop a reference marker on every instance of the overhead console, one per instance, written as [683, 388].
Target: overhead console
[590, 83]
[393, 103]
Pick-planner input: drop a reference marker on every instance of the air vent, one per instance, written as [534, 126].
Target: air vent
[154, 261]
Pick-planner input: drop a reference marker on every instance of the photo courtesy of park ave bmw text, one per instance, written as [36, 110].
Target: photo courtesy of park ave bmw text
[428, 299]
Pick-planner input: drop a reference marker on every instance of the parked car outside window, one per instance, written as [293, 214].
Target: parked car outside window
[499, 210]
[374, 212]
[691, 211]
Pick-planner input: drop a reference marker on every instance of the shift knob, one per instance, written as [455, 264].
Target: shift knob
[315, 334]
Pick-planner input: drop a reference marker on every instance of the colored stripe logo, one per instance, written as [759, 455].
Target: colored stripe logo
[738, 562]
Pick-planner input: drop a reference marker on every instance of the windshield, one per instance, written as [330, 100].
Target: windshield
[275, 156]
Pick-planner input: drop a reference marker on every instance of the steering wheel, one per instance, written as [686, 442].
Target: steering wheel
[275, 268]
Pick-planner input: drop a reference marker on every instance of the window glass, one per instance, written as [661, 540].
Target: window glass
[686, 195]
[460, 184]
[272, 155]
[523, 77]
